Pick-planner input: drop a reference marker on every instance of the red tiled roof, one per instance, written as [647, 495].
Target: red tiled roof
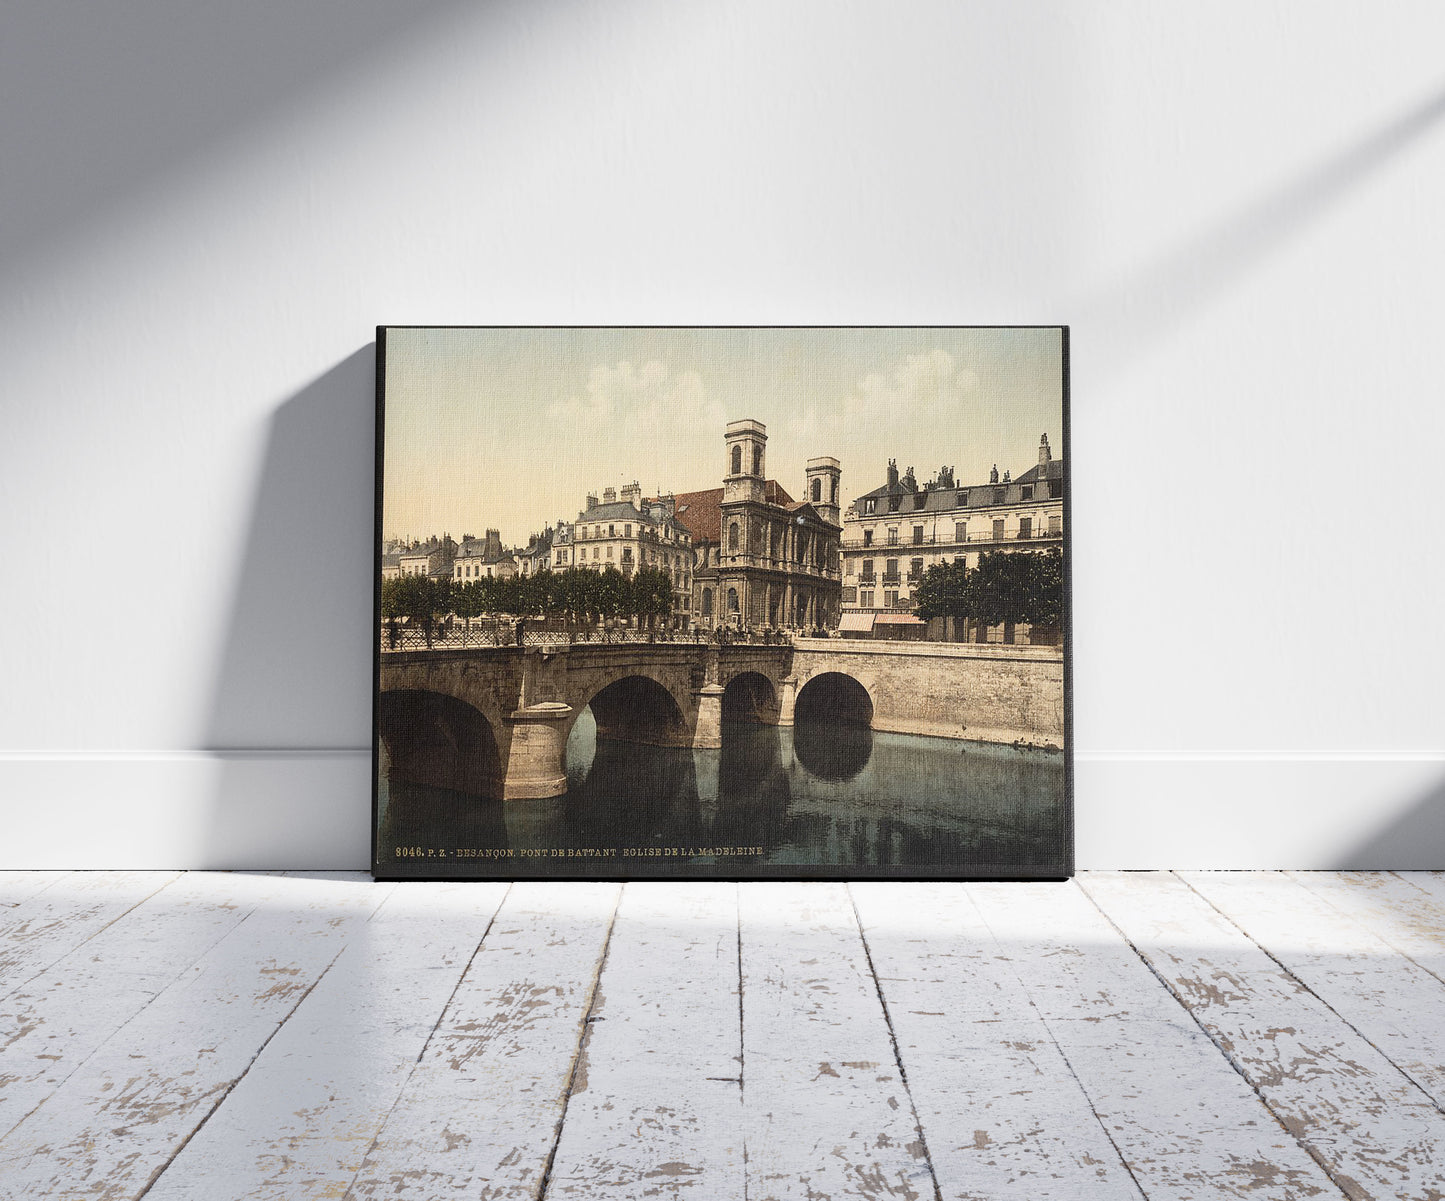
[701, 512]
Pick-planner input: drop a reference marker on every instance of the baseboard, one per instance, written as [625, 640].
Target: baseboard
[311, 809]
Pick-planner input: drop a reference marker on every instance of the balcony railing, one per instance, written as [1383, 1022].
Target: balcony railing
[890, 577]
[936, 540]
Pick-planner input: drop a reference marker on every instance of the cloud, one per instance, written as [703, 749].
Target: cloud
[920, 386]
[646, 396]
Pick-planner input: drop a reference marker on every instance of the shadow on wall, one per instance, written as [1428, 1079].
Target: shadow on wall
[1414, 842]
[1150, 303]
[131, 92]
[290, 719]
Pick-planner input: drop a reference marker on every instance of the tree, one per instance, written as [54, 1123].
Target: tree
[941, 592]
[1006, 588]
[611, 593]
[418, 598]
[468, 600]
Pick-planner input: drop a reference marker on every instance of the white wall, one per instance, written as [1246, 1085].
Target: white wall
[206, 207]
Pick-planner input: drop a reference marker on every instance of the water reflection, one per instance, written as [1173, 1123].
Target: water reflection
[816, 794]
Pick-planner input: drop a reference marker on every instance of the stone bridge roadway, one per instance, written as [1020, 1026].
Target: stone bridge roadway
[494, 722]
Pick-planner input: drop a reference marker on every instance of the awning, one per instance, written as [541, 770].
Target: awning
[857, 622]
[900, 619]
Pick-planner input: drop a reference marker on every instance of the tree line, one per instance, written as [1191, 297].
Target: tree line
[576, 594]
[1007, 587]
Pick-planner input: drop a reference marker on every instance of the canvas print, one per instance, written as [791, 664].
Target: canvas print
[722, 603]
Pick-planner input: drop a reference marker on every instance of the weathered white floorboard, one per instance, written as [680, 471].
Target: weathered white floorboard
[1002, 1115]
[1405, 909]
[124, 1113]
[480, 1113]
[301, 1120]
[656, 1108]
[215, 1036]
[48, 924]
[1391, 1001]
[1186, 1124]
[826, 1111]
[16, 887]
[1377, 1133]
[51, 1024]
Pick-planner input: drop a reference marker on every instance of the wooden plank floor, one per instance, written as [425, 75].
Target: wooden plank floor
[1186, 1035]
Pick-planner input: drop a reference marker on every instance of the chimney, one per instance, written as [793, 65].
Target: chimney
[609, 495]
[494, 544]
[892, 472]
[909, 482]
[592, 500]
[993, 475]
[1044, 453]
[632, 494]
[1005, 477]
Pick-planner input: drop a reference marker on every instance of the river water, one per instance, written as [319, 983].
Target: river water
[815, 796]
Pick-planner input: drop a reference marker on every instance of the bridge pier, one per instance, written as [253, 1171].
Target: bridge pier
[787, 700]
[536, 755]
[707, 734]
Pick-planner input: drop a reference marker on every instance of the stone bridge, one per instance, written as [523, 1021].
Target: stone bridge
[494, 722]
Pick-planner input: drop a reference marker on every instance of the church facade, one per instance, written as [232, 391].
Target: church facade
[763, 560]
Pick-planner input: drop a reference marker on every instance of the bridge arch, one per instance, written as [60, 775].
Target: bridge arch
[639, 708]
[834, 697]
[438, 740]
[752, 697]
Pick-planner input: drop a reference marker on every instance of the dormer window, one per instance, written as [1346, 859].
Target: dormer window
[1027, 492]
[870, 506]
[918, 499]
[962, 496]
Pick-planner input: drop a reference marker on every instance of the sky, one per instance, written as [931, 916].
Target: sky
[512, 428]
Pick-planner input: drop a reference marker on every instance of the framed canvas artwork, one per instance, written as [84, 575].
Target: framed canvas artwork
[722, 602]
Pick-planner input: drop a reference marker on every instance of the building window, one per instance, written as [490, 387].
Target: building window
[998, 529]
[1027, 492]
[962, 497]
[893, 503]
[915, 569]
[892, 535]
[870, 506]
[890, 570]
[960, 531]
[733, 537]
[757, 460]
[1056, 489]
[1026, 527]
[998, 495]
[609, 550]
[1056, 524]
[817, 491]
[865, 599]
[737, 460]
[918, 535]
[850, 596]
[627, 531]
[733, 601]
[890, 600]
[867, 569]
[918, 499]
[852, 568]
